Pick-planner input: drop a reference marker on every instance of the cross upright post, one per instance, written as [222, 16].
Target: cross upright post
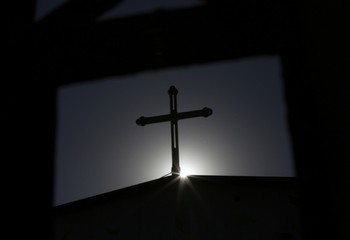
[175, 169]
[173, 118]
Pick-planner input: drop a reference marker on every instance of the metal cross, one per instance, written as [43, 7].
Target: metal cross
[173, 117]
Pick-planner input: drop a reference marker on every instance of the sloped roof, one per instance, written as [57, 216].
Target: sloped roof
[196, 207]
[198, 181]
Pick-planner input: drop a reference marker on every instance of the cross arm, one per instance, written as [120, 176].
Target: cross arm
[205, 112]
[142, 121]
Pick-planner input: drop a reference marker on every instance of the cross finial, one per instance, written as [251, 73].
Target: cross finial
[173, 117]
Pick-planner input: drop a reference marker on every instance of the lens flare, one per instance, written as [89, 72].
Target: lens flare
[183, 174]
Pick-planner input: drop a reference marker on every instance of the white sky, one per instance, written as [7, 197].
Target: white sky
[100, 148]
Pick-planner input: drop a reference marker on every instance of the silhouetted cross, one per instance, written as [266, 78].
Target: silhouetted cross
[173, 117]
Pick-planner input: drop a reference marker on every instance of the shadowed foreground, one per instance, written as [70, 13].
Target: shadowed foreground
[196, 207]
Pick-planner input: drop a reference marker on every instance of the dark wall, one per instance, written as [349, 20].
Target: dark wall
[28, 132]
[309, 37]
[315, 81]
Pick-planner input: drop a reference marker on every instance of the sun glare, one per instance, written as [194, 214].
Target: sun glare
[187, 167]
[183, 174]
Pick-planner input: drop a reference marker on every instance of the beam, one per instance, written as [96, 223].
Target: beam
[81, 52]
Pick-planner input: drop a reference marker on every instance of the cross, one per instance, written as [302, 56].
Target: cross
[173, 117]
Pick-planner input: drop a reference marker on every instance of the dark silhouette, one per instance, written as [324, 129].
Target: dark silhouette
[70, 46]
[173, 117]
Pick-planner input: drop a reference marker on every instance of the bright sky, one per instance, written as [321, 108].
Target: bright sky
[100, 148]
